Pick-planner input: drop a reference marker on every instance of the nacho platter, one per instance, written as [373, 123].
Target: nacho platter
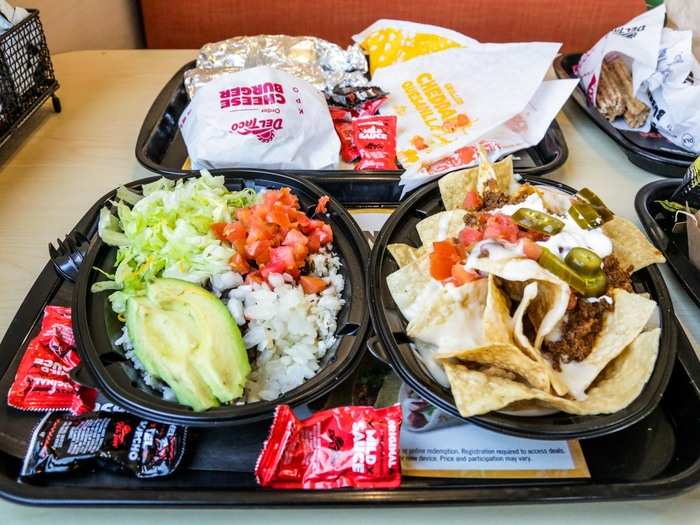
[508, 334]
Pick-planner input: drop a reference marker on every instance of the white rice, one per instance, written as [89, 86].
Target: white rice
[289, 331]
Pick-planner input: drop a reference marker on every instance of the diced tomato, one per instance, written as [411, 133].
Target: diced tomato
[239, 264]
[470, 235]
[472, 201]
[312, 284]
[501, 227]
[315, 241]
[258, 250]
[531, 249]
[446, 249]
[440, 268]
[274, 234]
[244, 215]
[284, 256]
[217, 228]
[294, 237]
[326, 233]
[278, 214]
[461, 275]
[322, 203]
[444, 256]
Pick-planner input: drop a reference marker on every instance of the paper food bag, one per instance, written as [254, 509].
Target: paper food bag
[259, 117]
[661, 61]
[447, 100]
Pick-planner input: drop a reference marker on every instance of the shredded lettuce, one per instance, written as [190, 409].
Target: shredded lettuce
[166, 232]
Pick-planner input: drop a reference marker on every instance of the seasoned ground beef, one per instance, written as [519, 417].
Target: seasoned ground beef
[618, 277]
[582, 325]
[471, 219]
[492, 197]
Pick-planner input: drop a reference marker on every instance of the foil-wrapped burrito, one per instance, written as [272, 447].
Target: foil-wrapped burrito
[323, 64]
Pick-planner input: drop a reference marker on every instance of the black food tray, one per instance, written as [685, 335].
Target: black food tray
[659, 226]
[160, 148]
[657, 457]
[650, 151]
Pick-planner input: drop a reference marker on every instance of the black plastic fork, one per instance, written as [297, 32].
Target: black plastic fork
[68, 254]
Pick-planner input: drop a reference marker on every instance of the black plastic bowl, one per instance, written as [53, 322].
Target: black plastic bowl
[393, 344]
[97, 327]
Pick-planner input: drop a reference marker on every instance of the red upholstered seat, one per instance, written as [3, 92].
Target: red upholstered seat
[576, 23]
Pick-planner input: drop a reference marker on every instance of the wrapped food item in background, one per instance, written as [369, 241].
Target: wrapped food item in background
[335, 448]
[663, 90]
[375, 139]
[322, 64]
[259, 117]
[117, 441]
[387, 42]
[448, 100]
[42, 380]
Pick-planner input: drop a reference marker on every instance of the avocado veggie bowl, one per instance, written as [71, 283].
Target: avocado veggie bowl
[211, 299]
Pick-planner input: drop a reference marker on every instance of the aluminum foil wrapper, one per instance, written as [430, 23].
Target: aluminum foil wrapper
[323, 64]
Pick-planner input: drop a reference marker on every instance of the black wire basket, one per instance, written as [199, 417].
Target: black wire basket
[26, 74]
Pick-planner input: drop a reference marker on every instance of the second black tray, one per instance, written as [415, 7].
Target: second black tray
[651, 152]
[659, 225]
[160, 148]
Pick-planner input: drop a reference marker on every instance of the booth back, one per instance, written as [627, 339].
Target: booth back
[578, 24]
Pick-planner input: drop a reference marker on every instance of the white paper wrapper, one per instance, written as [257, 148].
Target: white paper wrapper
[447, 100]
[638, 40]
[259, 117]
[661, 60]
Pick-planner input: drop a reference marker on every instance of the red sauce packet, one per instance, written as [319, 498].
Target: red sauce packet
[342, 121]
[348, 151]
[375, 138]
[340, 447]
[42, 381]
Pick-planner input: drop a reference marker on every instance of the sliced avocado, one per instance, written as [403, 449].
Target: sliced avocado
[185, 336]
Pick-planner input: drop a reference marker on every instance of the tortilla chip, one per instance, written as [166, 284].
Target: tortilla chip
[548, 308]
[530, 293]
[411, 286]
[455, 186]
[404, 254]
[506, 357]
[441, 226]
[630, 246]
[452, 317]
[498, 325]
[620, 327]
[476, 393]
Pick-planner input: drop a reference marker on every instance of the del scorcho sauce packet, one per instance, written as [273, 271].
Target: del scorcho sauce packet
[340, 447]
[42, 381]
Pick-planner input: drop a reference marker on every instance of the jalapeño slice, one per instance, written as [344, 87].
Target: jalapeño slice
[596, 202]
[538, 221]
[585, 215]
[583, 261]
[587, 285]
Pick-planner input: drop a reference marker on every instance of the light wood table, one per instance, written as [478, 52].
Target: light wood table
[58, 165]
